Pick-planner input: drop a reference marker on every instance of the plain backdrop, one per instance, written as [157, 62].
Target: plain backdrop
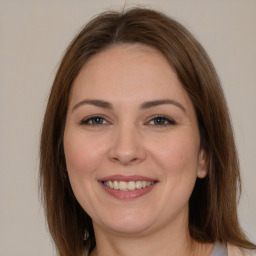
[33, 37]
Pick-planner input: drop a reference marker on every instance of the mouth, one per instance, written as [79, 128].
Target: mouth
[127, 187]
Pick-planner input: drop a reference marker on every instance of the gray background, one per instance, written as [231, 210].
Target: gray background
[33, 36]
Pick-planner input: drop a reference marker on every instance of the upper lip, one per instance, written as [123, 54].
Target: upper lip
[126, 178]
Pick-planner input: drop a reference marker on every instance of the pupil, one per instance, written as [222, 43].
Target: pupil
[160, 120]
[97, 120]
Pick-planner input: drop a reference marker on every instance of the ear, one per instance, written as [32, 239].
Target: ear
[202, 164]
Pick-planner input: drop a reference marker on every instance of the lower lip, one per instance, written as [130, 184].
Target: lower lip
[129, 194]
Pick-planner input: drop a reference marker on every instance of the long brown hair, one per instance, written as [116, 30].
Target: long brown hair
[213, 203]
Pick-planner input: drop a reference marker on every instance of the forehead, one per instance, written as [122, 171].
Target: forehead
[128, 72]
[127, 58]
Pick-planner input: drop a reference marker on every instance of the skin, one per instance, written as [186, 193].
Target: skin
[129, 140]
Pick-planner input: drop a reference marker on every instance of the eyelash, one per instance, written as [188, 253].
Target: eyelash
[164, 121]
[89, 121]
[100, 120]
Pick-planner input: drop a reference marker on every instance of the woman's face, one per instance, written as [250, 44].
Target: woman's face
[131, 142]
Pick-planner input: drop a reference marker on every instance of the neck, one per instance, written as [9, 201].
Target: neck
[164, 242]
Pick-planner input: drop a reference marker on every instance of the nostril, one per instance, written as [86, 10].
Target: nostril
[127, 149]
[125, 161]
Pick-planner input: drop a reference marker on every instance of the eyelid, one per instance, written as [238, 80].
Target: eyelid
[85, 121]
[170, 121]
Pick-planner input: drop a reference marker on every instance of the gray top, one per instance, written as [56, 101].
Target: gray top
[219, 250]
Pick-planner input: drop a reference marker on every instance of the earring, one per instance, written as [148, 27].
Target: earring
[86, 235]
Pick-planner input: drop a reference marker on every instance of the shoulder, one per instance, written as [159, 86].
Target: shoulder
[236, 251]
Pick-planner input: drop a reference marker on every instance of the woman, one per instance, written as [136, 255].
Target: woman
[137, 150]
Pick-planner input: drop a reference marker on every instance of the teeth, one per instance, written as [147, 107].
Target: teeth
[115, 185]
[111, 184]
[130, 185]
[138, 185]
[122, 185]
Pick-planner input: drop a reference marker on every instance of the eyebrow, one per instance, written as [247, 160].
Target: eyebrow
[97, 103]
[145, 105]
[154, 103]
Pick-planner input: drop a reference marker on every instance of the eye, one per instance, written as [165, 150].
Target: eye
[94, 120]
[161, 121]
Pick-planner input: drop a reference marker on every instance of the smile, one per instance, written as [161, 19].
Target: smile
[128, 186]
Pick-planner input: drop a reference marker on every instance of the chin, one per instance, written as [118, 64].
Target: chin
[127, 224]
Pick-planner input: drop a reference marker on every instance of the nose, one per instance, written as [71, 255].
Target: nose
[127, 146]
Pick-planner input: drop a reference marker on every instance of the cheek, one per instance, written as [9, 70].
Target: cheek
[177, 155]
[82, 159]
[82, 156]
